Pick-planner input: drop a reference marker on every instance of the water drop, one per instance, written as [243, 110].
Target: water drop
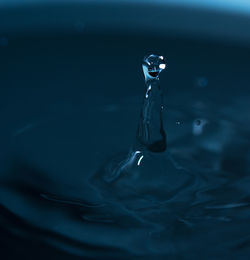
[153, 66]
[150, 132]
[146, 170]
[150, 135]
[198, 126]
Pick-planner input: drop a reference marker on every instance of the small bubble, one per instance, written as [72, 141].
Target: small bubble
[178, 122]
[201, 82]
[198, 122]
[198, 126]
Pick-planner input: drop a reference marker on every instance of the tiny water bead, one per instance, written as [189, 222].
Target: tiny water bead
[153, 65]
[198, 126]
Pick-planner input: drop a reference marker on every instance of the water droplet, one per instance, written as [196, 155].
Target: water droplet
[150, 132]
[153, 66]
[198, 126]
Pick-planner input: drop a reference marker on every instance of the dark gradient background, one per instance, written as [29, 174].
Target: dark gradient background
[70, 97]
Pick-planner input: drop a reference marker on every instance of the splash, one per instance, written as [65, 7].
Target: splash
[150, 133]
[147, 168]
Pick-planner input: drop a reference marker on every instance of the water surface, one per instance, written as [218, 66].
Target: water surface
[66, 113]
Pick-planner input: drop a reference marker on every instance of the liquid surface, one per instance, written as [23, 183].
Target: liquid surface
[57, 195]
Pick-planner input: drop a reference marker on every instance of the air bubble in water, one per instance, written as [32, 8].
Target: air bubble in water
[198, 126]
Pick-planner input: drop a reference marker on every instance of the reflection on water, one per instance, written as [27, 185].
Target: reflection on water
[181, 203]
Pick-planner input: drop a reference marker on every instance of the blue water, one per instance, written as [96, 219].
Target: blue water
[69, 116]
